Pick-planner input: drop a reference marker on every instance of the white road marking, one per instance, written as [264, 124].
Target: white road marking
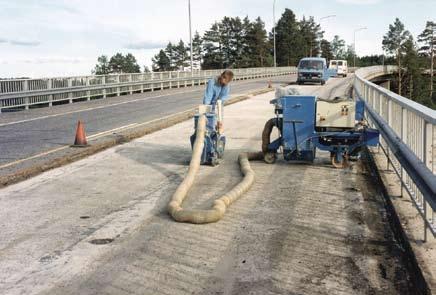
[94, 136]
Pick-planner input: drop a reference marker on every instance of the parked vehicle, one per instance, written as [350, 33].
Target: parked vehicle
[340, 66]
[314, 69]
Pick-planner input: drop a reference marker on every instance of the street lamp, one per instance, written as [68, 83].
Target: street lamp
[354, 44]
[190, 38]
[274, 33]
[324, 17]
[327, 16]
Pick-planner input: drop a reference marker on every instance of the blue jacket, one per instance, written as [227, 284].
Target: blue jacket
[214, 91]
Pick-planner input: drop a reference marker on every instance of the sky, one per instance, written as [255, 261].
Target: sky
[44, 38]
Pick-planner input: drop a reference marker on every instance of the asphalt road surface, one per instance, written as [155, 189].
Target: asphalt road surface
[28, 133]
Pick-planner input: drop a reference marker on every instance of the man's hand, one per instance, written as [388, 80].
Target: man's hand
[220, 127]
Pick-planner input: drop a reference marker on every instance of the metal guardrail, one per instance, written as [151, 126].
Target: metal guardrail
[24, 93]
[408, 132]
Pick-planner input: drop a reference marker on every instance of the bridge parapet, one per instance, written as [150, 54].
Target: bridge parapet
[24, 93]
[408, 132]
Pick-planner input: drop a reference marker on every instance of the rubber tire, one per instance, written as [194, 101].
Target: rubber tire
[322, 82]
[342, 165]
[215, 162]
[270, 157]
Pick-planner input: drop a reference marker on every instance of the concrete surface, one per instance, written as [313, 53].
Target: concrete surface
[301, 229]
[411, 220]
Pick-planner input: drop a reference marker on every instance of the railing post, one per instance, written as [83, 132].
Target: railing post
[70, 92]
[26, 99]
[178, 79]
[142, 84]
[130, 86]
[152, 79]
[50, 96]
[88, 92]
[403, 139]
[161, 83]
[428, 145]
[103, 82]
[118, 86]
[428, 161]
[389, 120]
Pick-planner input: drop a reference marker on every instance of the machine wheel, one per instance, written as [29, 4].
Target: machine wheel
[214, 162]
[322, 82]
[343, 163]
[270, 157]
[299, 83]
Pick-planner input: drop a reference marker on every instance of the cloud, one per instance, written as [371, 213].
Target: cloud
[55, 5]
[20, 42]
[145, 45]
[359, 2]
[52, 60]
[24, 43]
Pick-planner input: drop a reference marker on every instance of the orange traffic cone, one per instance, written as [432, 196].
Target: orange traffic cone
[80, 140]
[270, 84]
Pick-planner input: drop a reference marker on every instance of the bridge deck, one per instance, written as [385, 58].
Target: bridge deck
[28, 134]
[301, 229]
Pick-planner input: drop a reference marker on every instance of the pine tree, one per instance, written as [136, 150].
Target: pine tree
[213, 57]
[170, 51]
[116, 64]
[311, 33]
[161, 62]
[326, 50]
[180, 56]
[338, 47]
[102, 67]
[288, 39]
[349, 55]
[257, 48]
[130, 64]
[197, 50]
[231, 40]
[394, 43]
[428, 40]
[123, 64]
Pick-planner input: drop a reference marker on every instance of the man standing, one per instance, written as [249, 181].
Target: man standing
[218, 89]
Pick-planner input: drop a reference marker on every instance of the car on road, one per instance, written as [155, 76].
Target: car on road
[313, 69]
[340, 66]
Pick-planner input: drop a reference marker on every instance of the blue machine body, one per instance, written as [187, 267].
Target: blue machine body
[214, 143]
[299, 137]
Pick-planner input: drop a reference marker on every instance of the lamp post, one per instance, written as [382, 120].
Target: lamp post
[274, 33]
[190, 38]
[324, 17]
[354, 44]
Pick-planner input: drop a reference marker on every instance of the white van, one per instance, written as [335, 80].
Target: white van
[341, 67]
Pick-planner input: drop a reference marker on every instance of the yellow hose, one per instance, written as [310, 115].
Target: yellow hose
[221, 204]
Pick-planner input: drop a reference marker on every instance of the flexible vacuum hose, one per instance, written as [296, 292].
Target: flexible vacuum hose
[220, 205]
[266, 134]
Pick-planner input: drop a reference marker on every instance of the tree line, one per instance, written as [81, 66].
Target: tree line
[240, 43]
[415, 61]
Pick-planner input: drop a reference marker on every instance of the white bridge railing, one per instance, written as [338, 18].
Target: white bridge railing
[408, 139]
[24, 93]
